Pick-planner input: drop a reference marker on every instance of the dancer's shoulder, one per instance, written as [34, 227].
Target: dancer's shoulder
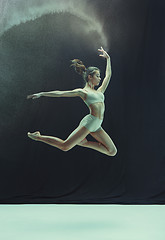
[80, 92]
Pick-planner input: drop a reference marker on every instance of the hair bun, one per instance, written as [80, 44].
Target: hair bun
[78, 66]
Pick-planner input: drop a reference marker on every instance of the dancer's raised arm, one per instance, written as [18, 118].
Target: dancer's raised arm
[71, 93]
[108, 72]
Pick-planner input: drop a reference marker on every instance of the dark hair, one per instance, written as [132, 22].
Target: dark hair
[82, 70]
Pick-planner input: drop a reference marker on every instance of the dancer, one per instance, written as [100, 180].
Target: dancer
[90, 124]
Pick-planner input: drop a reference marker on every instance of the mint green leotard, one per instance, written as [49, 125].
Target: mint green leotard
[94, 97]
[91, 122]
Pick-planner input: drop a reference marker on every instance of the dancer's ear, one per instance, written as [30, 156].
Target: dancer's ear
[89, 77]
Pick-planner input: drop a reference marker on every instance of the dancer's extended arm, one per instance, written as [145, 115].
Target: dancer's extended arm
[108, 72]
[71, 93]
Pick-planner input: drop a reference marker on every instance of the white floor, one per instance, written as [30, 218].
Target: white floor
[82, 222]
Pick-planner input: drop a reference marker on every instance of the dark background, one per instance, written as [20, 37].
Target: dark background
[35, 56]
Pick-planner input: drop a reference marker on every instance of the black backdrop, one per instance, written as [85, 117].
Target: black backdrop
[34, 57]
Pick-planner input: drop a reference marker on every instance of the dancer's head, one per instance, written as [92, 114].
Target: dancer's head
[90, 74]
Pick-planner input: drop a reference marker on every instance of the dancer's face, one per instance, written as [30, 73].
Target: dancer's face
[95, 79]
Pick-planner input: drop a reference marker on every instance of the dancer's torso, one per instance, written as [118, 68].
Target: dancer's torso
[95, 101]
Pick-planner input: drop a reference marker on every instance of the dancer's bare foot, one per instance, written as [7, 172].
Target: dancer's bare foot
[35, 136]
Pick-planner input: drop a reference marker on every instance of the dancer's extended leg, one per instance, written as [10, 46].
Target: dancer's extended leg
[74, 138]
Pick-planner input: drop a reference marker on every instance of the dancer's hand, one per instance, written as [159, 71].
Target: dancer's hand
[34, 96]
[103, 54]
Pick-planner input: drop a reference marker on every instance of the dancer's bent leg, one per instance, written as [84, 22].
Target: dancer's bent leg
[96, 146]
[104, 143]
[104, 139]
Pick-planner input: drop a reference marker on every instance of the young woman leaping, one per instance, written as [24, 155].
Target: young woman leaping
[91, 123]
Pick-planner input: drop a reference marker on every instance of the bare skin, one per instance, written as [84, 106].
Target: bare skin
[104, 143]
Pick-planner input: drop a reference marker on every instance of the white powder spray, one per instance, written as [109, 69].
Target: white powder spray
[14, 12]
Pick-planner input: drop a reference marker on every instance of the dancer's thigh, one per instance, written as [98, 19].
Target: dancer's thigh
[76, 136]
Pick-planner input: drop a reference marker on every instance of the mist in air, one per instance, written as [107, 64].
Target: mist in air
[14, 12]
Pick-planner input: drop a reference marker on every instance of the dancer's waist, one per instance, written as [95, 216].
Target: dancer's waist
[97, 110]
[97, 116]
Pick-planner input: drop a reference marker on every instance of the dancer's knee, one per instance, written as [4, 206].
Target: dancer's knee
[112, 152]
[65, 147]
